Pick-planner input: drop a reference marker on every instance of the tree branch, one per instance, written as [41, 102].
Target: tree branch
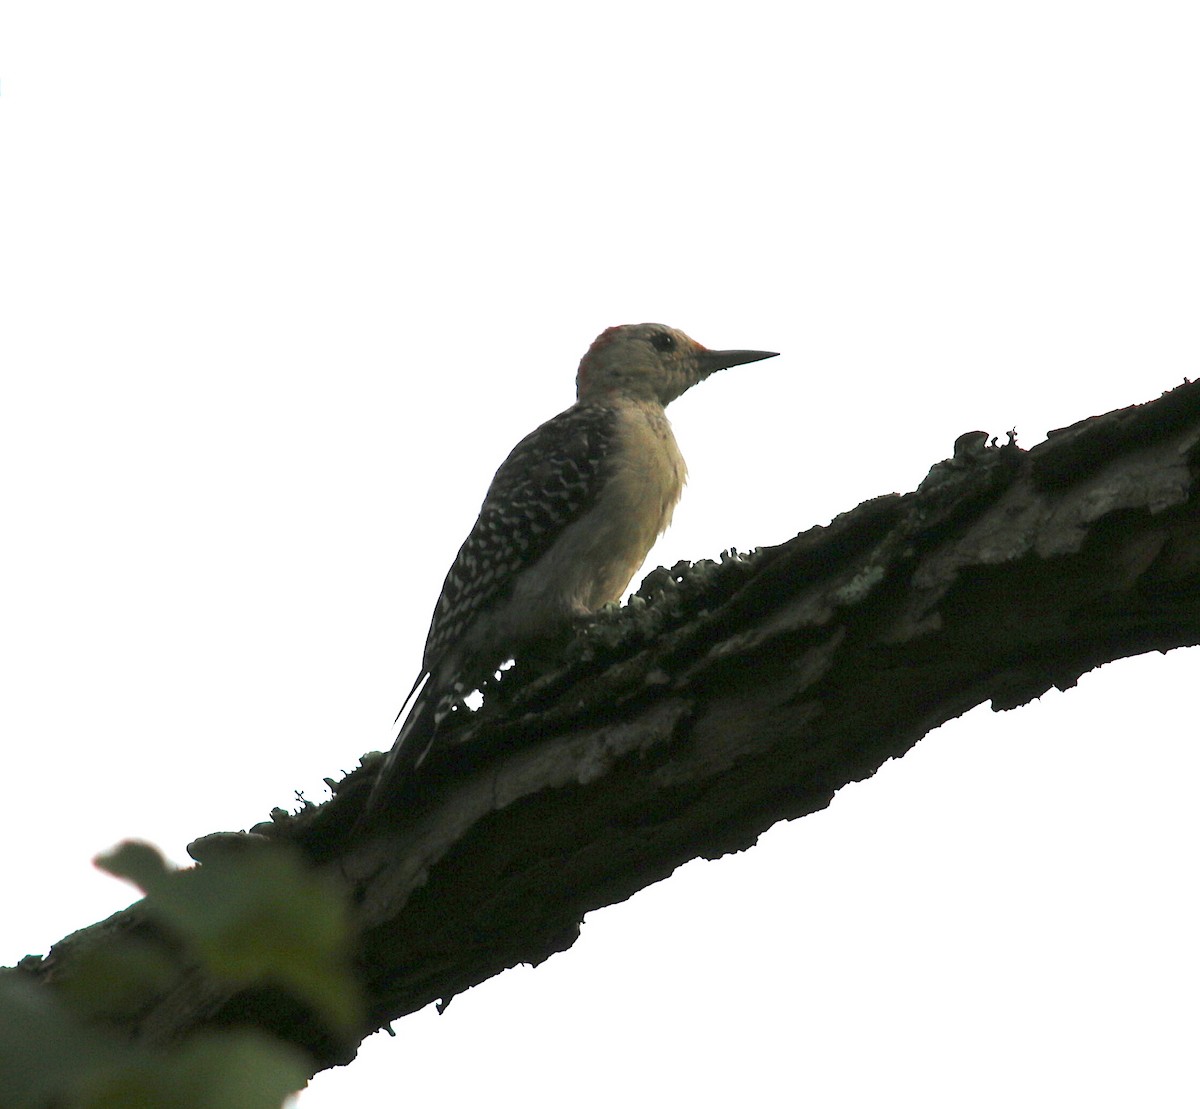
[729, 696]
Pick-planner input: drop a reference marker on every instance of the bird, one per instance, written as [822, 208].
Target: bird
[567, 521]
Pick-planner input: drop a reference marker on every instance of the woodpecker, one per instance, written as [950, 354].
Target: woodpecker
[567, 521]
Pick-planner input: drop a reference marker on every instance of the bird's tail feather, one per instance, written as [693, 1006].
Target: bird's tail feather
[416, 685]
[413, 741]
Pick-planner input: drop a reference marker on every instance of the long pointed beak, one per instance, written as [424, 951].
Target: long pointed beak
[713, 360]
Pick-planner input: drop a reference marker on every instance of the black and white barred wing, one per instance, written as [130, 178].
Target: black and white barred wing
[551, 478]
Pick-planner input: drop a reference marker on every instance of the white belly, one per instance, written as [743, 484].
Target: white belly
[596, 557]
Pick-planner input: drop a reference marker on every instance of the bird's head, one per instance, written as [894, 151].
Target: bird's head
[650, 361]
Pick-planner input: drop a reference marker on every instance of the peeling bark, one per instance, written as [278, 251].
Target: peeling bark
[732, 695]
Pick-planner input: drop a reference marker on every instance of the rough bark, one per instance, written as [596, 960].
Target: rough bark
[729, 696]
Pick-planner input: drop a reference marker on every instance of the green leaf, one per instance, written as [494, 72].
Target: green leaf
[229, 1070]
[42, 1047]
[138, 862]
[258, 914]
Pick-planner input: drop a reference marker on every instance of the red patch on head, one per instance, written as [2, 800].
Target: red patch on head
[598, 344]
[605, 337]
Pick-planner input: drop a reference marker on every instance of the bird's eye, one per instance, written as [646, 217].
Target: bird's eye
[660, 340]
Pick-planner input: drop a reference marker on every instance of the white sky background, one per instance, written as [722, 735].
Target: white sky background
[281, 285]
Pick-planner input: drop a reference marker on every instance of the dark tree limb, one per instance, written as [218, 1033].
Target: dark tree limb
[730, 696]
